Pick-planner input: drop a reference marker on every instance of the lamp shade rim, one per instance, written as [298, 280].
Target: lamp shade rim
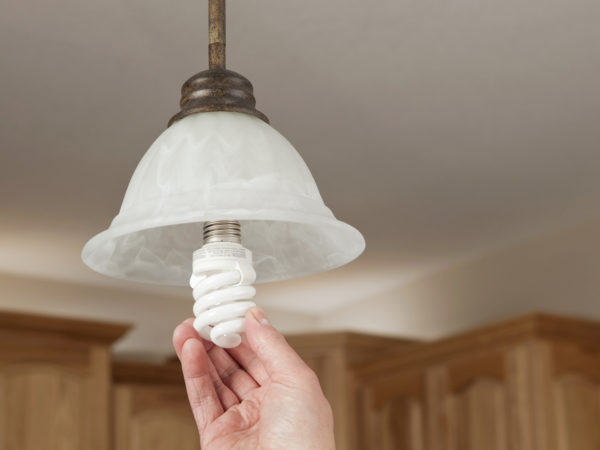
[354, 242]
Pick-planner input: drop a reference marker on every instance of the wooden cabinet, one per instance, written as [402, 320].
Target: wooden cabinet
[54, 383]
[151, 410]
[531, 383]
[333, 357]
[527, 384]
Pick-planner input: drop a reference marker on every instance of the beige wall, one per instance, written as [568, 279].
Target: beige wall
[153, 316]
[558, 272]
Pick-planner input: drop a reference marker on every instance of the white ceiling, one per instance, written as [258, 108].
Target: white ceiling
[439, 129]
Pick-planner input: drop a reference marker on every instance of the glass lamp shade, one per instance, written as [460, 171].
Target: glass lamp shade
[217, 166]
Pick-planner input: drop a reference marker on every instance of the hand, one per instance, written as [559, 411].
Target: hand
[259, 395]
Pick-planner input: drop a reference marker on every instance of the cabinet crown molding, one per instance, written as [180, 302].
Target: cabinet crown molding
[84, 330]
[531, 326]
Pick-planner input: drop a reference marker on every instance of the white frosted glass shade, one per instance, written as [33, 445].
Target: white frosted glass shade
[217, 166]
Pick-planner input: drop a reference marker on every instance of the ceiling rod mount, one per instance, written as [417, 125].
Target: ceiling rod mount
[217, 89]
[216, 34]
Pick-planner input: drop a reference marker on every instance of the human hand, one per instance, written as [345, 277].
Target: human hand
[259, 395]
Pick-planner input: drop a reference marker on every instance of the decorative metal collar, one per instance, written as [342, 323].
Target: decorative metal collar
[217, 89]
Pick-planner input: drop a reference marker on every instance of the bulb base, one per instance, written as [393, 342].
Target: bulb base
[222, 231]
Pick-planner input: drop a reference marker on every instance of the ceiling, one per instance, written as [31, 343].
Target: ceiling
[439, 129]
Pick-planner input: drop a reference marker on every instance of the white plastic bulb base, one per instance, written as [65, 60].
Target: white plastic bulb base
[217, 166]
[222, 276]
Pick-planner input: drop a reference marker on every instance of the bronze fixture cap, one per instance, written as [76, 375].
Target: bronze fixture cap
[217, 89]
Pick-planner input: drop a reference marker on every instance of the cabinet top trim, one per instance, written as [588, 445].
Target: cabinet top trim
[531, 326]
[87, 330]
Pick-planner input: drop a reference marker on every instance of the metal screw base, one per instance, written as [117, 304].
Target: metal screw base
[222, 231]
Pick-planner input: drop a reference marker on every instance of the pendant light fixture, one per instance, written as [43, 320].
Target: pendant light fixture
[217, 177]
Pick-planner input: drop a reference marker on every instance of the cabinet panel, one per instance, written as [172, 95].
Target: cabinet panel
[477, 417]
[396, 424]
[153, 417]
[577, 405]
[393, 413]
[467, 399]
[402, 425]
[161, 430]
[42, 408]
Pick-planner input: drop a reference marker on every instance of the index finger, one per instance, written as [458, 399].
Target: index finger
[202, 395]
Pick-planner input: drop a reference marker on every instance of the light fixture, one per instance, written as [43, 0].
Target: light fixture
[220, 175]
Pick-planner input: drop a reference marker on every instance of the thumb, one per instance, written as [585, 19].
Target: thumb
[280, 360]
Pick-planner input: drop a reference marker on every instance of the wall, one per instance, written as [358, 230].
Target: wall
[154, 316]
[557, 273]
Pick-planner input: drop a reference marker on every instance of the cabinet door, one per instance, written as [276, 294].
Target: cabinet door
[468, 404]
[42, 406]
[477, 416]
[392, 412]
[400, 424]
[576, 392]
[577, 413]
[153, 418]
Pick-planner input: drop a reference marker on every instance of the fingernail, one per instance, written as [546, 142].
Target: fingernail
[259, 315]
[186, 348]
